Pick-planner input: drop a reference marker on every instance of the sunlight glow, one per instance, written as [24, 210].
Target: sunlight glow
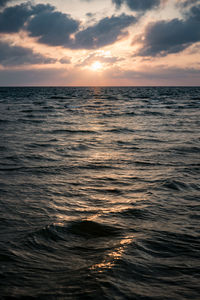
[96, 66]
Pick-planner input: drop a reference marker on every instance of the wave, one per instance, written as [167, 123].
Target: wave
[30, 121]
[83, 228]
[60, 97]
[134, 214]
[185, 149]
[173, 184]
[92, 229]
[4, 121]
[120, 130]
[70, 131]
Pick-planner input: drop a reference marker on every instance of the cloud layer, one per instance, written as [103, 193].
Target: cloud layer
[3, 2]
[54, 28]
[12, 18]
[105, 32]
[138, 5]
[51, 27]
[61, 35]
[164, 37]
[15, 56]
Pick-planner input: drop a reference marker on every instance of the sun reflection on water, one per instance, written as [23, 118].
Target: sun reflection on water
[113, 256]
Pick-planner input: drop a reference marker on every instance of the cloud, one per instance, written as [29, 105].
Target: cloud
[158, 76]
[51, 27]
[105, 32]
[100, 57]
[59, 77]
[164, 37]
[90, 15]
[186, 3]
[42, 21]
[65, 60]
[41, 8]
[15, 56]
[36, 77]
[4, 2]
[54, 28]
[12, 19]
[138, 5]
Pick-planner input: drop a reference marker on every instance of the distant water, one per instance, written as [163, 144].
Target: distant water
[100, 193]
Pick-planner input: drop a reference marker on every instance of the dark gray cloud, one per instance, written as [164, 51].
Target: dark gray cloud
[41, 8]
[164, 37]
[4, 2]
[12, 18]
[15, 56]
[55, 28]
[52, 27]
[105, 32]
[138, 5]
[65, 60]
[90, 15]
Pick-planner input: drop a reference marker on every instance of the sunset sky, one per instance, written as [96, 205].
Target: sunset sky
[99, 42]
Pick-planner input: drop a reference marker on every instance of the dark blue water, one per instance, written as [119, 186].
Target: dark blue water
[99, 193]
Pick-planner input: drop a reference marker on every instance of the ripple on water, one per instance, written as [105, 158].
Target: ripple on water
[99, 193]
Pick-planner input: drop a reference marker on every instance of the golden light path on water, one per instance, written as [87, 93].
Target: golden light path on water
[113, 256]
[108, 203]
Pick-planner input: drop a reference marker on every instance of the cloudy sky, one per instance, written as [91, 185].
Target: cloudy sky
[99, 42]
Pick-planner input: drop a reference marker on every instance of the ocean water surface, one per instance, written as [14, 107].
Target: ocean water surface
[99, 193]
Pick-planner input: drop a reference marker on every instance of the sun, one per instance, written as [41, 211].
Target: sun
[96, 66]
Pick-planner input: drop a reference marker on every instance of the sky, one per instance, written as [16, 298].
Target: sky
[100, 43]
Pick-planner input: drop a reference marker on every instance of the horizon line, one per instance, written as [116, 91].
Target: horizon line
[92, 86]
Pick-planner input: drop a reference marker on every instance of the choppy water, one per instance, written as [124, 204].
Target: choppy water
[99, 193]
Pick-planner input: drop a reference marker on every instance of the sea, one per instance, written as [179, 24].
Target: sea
[100, 193]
